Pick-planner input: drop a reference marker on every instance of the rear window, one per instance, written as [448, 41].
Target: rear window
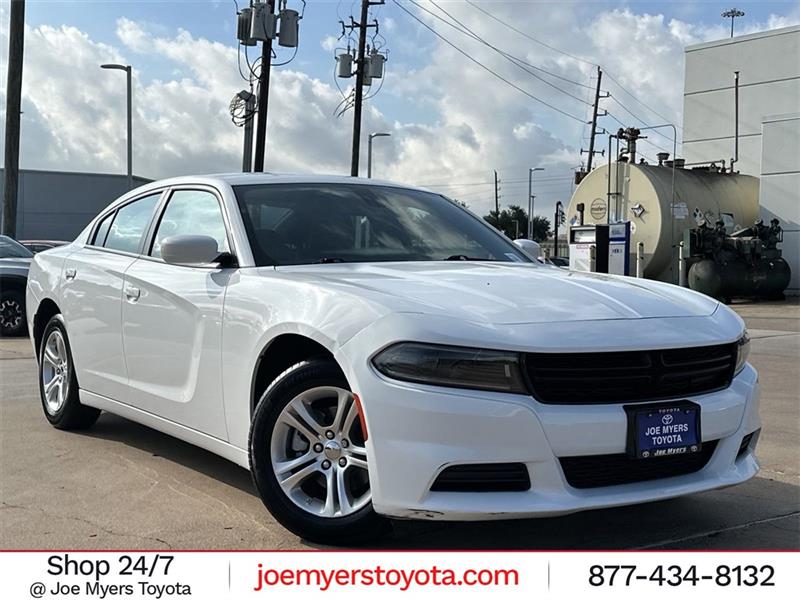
[130, 223]
[102, 230]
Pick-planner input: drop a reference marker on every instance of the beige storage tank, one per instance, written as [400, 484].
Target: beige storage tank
[661, 203]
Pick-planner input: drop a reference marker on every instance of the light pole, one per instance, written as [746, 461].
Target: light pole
[369, 150]
[731, 14]
[127, 69]
[530, 200]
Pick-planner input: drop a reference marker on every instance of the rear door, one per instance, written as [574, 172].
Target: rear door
[172, 319]
[91, 295]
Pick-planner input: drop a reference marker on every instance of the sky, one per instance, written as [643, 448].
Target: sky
[456, 107]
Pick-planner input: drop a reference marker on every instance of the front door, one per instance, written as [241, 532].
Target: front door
[172, 321]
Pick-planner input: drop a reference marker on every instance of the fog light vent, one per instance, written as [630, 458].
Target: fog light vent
[745, 445]
[493, 477]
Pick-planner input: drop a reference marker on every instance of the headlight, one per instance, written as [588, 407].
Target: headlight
[742, 352]
[452, 366]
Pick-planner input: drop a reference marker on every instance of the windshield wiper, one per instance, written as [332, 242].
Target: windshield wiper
[465, 257]
[329, 259]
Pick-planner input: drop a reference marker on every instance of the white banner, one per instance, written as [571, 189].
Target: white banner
[358, 574]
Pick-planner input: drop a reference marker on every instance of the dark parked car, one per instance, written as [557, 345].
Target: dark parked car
[37, 246]
[558, 261]
[15, 260]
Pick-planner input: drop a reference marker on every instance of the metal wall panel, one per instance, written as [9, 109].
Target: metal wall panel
[58, 205]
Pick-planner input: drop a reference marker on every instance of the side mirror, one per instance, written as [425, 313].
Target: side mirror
[189, 249]
[529, 247]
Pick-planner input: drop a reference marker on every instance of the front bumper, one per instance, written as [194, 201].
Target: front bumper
[417, 431]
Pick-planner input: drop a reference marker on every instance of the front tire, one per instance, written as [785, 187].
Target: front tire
[308, 459]
[58, 385]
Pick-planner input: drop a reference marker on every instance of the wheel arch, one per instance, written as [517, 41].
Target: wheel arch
[46, 310]
[280, 353]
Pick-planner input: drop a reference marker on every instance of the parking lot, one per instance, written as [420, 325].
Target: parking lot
[121, 485]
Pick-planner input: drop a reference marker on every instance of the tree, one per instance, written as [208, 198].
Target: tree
[513, 222]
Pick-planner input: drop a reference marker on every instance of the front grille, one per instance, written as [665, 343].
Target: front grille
[496, 477]
[602, 470]
[638, 376]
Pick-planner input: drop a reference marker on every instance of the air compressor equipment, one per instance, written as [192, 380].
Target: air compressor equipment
[744, 264]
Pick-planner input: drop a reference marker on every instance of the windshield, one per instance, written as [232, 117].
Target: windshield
[12, 249]
[299, 223]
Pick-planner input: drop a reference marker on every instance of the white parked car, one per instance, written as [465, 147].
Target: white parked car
[372, 351]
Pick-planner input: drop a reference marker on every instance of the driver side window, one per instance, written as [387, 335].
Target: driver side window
[191, 212]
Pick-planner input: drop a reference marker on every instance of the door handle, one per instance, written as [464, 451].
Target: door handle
[132, 293]
[69, 274]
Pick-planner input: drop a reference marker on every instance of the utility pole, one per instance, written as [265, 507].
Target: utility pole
[595, 113]
[16, 39]
[497, 197]
[530, 200]
[263, 95]
[129, 114]
[558, 220]
[361, 65]
[247, 151]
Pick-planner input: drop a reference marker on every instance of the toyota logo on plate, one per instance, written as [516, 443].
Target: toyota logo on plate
[666, 419]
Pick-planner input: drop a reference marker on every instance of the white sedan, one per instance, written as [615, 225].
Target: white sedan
[372, 351]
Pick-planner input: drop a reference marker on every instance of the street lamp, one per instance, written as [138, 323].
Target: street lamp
[369, 150]
[530, 200]
[127, 69]
[731, 14]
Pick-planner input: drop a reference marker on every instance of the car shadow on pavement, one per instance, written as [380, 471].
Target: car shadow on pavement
[759, 514]
[118, 429]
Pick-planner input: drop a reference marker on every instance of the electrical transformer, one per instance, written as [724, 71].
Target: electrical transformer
[344, 65]
[263, 22]
[290, 25]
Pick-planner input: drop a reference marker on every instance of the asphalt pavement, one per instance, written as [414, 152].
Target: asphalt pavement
[123, 486]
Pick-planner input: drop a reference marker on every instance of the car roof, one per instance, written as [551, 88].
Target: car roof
[234, 179]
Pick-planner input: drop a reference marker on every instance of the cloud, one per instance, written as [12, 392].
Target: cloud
[466, 122]
[329, 43]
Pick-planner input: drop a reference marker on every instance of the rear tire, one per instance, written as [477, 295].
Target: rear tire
[58, 384]
[308, 459]
[12, 313]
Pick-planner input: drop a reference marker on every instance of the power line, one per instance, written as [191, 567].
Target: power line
[645, 140]
[578, 58]
[505, 181]
[530, 37]
[480, 64]
[515, 60]
[638, 118]
[651, 109]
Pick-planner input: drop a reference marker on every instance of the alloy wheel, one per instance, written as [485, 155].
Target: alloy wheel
[318, 453]
[55, 371]
[11, 314]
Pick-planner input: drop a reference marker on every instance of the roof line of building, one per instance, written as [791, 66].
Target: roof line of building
[744, 38]
[82, 173]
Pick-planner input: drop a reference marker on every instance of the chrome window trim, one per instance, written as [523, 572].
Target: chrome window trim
[147, 247]
[113, 209]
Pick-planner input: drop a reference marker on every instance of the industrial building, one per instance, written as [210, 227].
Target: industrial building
[768, 64]
[57, 205]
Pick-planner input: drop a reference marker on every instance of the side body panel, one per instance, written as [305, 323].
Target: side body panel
[91, 303]
[172, 337]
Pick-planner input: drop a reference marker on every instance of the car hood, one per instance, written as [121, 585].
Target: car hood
[505, 293]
